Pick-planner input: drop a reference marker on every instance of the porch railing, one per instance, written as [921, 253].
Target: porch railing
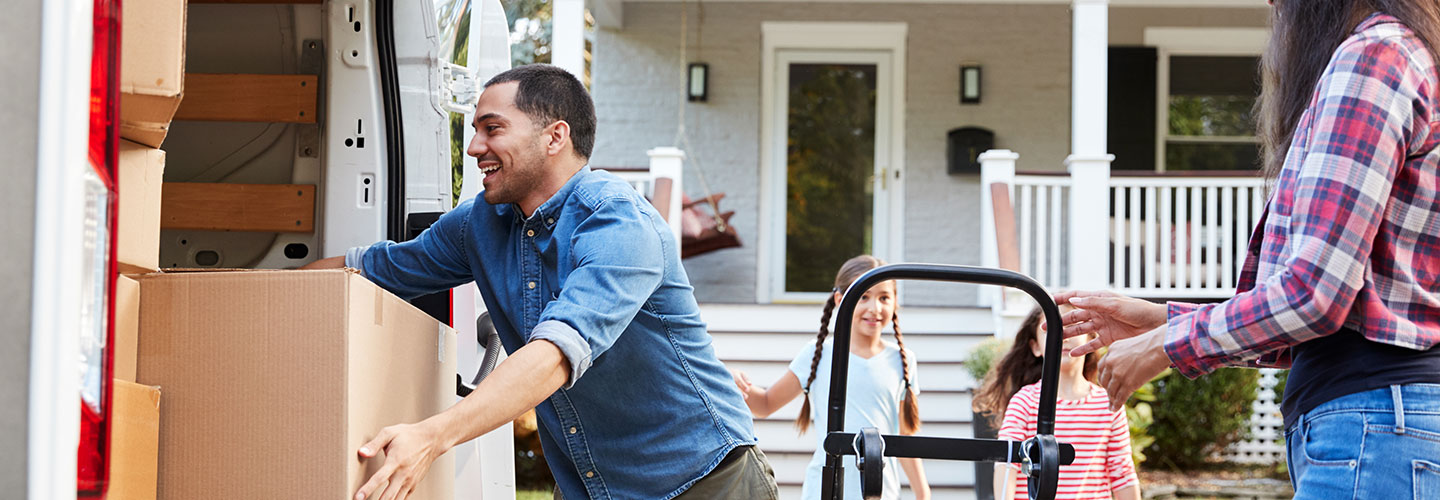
[1167, 235]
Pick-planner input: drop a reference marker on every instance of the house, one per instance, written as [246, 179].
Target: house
[848, 127]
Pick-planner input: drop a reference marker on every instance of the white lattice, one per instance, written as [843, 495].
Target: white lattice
[1267, 434]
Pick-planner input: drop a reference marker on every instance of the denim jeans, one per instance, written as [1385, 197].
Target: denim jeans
[1378, 444]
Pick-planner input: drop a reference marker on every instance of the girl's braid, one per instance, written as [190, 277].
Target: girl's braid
[909, 407]
[802, 421]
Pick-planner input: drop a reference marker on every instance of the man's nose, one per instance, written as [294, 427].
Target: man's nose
[477, 147]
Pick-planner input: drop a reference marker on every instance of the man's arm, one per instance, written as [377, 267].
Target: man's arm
[519, 383]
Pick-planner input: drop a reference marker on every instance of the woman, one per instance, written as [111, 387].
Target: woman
[1342, 280]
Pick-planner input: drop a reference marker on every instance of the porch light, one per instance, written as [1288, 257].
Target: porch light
[699, 85]
[970, 84]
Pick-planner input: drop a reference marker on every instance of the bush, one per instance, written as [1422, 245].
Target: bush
[1196, 419]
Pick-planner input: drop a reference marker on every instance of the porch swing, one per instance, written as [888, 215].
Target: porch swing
[700, 233]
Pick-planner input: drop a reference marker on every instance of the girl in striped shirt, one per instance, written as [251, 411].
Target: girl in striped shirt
[1103, 467]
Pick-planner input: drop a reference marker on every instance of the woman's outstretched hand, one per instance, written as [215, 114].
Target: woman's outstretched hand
[1109, 315]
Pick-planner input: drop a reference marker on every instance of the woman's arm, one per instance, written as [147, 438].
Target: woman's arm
[916, 472]
[762, 401]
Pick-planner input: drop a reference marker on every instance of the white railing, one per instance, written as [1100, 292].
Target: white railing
[1166, 236]
[1194, 243]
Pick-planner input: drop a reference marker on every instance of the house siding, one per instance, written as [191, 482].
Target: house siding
[1024, 50]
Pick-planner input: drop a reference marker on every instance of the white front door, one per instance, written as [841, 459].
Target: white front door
[832, 131]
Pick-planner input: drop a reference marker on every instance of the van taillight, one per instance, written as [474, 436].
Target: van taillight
[98, 265]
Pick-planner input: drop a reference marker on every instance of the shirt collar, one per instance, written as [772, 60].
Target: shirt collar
[549, 211]
[1374, 20]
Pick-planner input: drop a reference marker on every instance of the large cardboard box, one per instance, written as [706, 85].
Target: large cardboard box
[152, 68]
[134, 440]
[142, 175]
[273, 380]
[127, 327]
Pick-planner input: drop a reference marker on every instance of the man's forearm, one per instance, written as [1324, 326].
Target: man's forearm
[523, 380]
[326, 263]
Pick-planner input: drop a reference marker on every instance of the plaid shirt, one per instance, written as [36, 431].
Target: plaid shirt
[1352, 232]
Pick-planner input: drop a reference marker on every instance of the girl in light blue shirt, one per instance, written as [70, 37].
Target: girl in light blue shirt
[881, 389]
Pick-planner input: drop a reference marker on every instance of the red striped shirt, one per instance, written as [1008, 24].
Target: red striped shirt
[1101, 439]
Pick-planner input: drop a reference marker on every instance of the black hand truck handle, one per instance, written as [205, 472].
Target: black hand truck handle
[1043, 455]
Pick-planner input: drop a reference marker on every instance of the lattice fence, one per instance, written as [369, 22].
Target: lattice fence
[1267, 435]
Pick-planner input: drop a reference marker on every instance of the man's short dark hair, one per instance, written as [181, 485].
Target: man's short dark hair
[548, 93]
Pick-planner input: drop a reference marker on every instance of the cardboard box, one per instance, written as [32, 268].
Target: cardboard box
[142, 172]
[127, 327]
[274, 379]
[152, 68]
[134, 441]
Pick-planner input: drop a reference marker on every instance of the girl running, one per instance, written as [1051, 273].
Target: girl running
[881, 387]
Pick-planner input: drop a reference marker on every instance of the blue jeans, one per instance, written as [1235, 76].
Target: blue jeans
[1380, 444]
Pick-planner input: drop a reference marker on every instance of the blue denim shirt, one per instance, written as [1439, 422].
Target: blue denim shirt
[649, 409]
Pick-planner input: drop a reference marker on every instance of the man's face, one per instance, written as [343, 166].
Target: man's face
[508, 146]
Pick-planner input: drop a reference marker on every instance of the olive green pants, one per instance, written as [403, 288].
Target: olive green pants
[744, 473]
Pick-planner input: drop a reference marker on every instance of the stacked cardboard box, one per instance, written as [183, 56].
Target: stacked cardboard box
[273, 380]
[152, 70]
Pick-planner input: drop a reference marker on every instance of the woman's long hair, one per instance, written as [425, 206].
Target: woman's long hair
[1018, 368]
[849, 272]
[1303, 38]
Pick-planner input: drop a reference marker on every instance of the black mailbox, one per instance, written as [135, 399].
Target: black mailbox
[963, 148]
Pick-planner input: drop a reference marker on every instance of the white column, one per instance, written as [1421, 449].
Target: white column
[1089, 65]
[567, 39]
[669, 163]
[1088, 163]
[1089, 216]
[996, 165]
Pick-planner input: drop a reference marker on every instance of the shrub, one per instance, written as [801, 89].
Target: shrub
[1196, 419]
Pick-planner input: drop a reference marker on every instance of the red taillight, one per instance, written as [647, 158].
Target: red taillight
[98, 268]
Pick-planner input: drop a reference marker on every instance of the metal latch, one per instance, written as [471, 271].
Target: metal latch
[458, 89]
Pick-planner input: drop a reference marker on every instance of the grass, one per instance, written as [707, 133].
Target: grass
[533, 495]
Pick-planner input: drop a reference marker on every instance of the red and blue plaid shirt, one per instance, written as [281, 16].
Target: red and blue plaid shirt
[1352, 235]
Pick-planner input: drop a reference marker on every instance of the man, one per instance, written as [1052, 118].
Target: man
[583, 280]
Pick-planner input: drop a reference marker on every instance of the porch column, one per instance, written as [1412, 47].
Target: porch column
[669, 163]
[1088, 163]
[567, 42]
[996, 165]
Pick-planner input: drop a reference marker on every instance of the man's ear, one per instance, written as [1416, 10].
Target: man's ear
[557, 138]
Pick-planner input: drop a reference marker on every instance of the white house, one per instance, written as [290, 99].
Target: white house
[1120, 128]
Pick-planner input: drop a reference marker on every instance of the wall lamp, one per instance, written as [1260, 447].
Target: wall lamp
[699, 84]
[970, 84]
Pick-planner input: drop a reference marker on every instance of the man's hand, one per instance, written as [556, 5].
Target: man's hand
[1109, 315]
[1132, 362]
[409, 451]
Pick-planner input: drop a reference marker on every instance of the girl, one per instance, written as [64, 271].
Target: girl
[1103, 466]
[881, 387]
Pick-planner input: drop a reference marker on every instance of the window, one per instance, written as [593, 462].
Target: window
[1207, 81]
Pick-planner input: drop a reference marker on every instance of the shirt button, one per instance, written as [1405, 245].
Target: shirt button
[550, 220]
[531, 285]
[590, 474]
[530, 233]
[573, 430]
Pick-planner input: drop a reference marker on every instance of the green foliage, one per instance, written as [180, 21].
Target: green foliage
[1140, 414]
[530, 30]
[1195, 419]
[983, 357]
[457, 120]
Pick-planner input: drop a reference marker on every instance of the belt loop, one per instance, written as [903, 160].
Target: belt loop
[1399, 409]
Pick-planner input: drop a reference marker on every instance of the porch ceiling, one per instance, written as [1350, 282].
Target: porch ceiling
[610, 13]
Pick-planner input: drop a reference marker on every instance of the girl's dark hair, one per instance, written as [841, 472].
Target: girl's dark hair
[1303, 38]
[849, 271]
[1018, 368]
